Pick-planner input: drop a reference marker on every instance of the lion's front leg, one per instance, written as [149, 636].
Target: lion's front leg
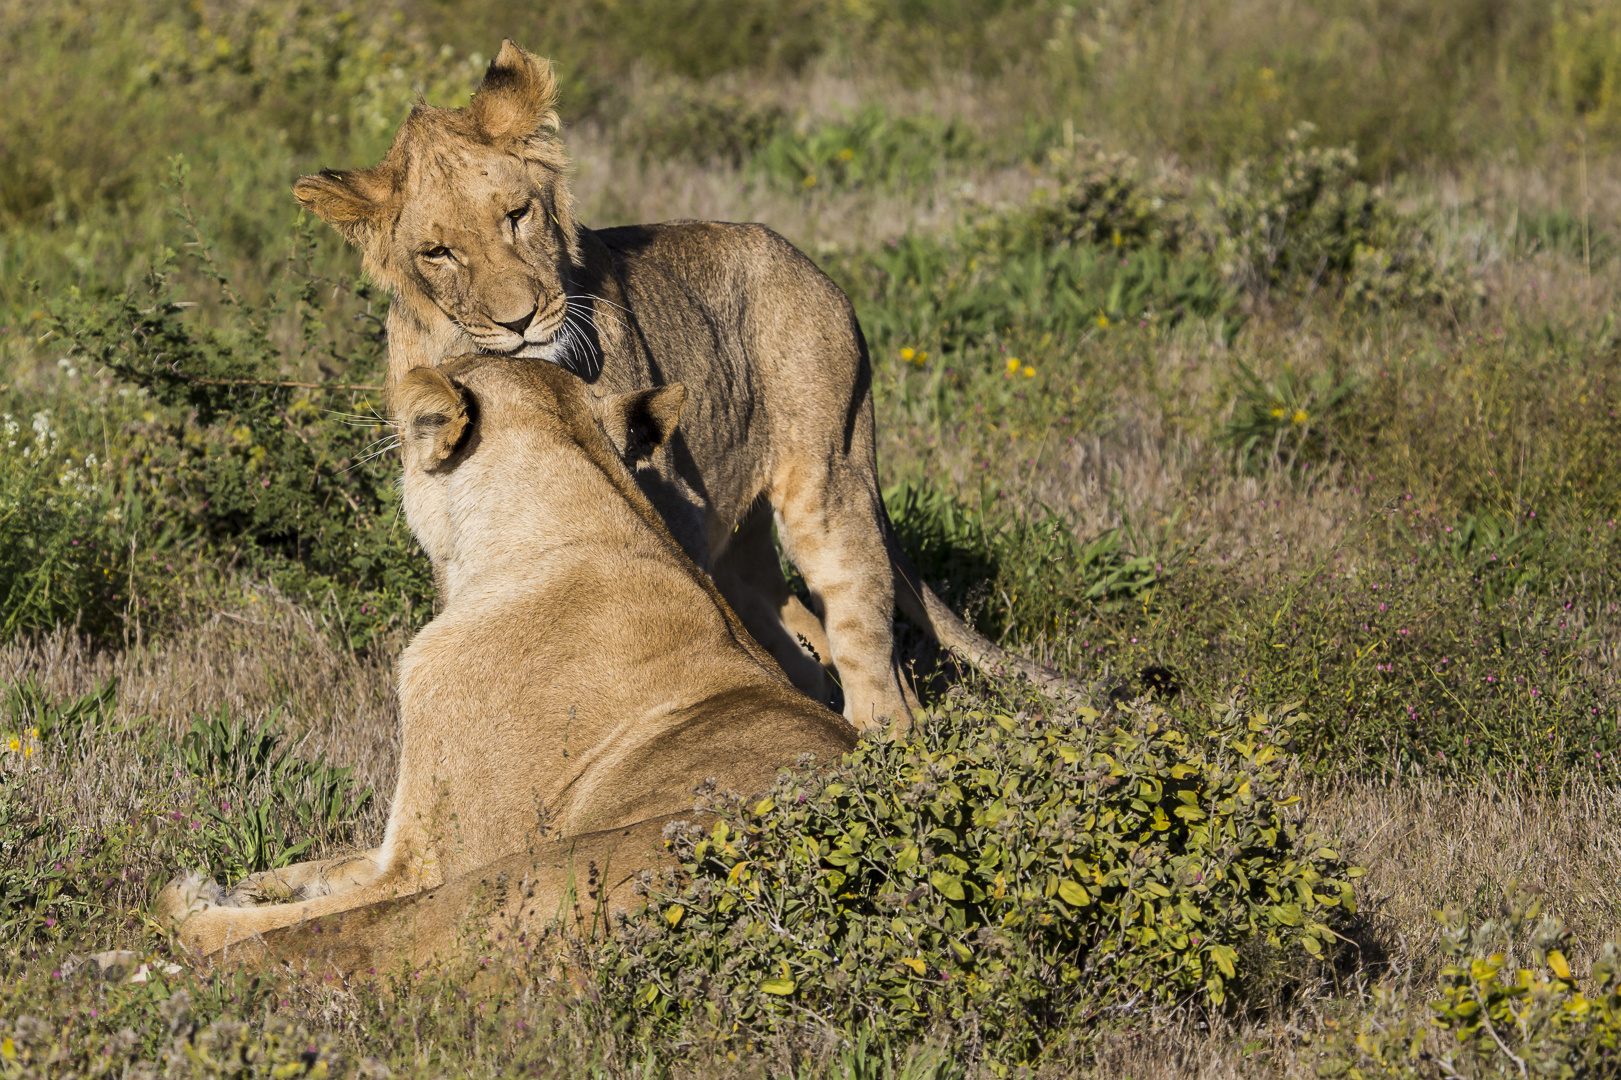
[305, 880]
[207, 918]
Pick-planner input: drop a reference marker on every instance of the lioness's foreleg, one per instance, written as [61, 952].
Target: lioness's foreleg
[205, 918]
[302, 881]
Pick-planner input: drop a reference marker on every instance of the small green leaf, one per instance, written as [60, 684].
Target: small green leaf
[778, 987]
[1074, 894]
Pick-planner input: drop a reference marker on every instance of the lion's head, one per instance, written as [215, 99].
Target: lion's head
[469, 219]
[489, 443]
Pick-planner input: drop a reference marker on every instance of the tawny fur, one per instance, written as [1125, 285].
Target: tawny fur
[583, 676]
[470, 222]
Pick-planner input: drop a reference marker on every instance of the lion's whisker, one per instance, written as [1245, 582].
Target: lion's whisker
[623, 325]
[575, 321]
[389, 444]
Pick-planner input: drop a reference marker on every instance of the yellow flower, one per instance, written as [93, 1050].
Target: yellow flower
[907, 354]
[1013, 363]
[846, 154]
[1103, 321]
[809, 181]
[1299, 417]
[1117, 238]
[1279, 413]
[14, 744]
[1029, 372]
[1269, 87]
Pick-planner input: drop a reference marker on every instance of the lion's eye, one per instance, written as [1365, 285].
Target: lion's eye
[437, 252]
[517, 216]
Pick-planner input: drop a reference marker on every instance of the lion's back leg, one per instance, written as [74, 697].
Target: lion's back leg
[525, 903]
[749, 575]
[823, 479]
[832, 528]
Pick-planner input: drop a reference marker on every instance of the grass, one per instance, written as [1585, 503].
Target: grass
[1163, 379]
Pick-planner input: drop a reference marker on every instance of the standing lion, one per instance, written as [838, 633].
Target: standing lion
[470, 223]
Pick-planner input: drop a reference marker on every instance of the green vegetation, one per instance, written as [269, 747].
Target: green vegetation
[1001, 877]
[1276, 348]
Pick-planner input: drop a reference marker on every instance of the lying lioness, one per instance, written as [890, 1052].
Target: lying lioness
[583, 676]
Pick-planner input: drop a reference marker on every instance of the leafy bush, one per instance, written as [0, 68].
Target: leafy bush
[66, 536]
[868, 149]
[1102, 199]
[250, 457]
[1008, 877]
[1303, 220]
[1506, 1004]
[961, 304]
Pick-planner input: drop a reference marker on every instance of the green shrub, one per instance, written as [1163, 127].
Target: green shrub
[1008, 877]
[248, 454]
[868, 149]
[1302, 220]
[1506, 1004]
[66, 536]
[1100, 198]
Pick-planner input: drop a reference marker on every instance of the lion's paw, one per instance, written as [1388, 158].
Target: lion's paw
[184, 897]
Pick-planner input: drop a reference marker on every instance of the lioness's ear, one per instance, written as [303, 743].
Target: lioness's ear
[518, 97]
[350, 202]
[641, 422]
[432, 416]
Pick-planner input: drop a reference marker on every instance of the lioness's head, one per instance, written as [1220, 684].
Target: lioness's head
[469, 217]
[495, 445]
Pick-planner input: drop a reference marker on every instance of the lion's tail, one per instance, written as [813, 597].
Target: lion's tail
[919, 604]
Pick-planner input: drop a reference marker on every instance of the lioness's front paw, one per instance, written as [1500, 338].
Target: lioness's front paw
[184, 897]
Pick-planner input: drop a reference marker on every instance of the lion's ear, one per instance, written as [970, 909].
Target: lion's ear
[518, 97]
[639, 423]
[432, 416]
[351, 201]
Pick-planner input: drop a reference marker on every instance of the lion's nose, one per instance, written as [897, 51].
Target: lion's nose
[518, 326]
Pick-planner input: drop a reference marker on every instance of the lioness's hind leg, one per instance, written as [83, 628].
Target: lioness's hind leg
[748, 574]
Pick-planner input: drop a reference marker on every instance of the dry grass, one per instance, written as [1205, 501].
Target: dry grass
[1425, 843]
[261, 657]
